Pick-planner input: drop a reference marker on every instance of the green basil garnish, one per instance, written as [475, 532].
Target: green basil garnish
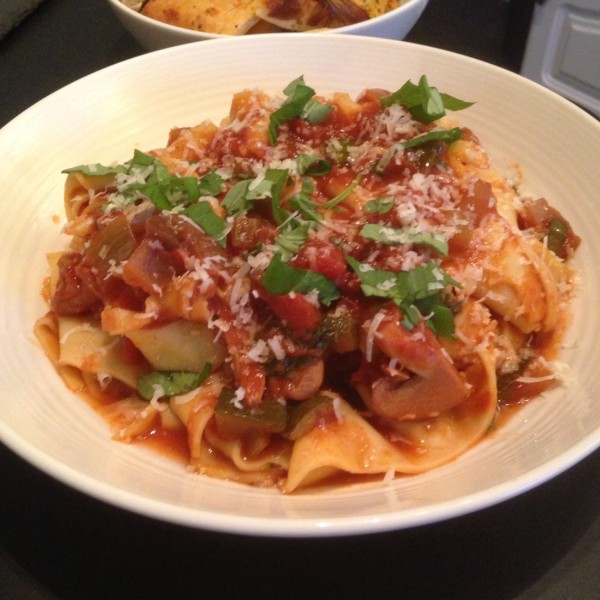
[379, 206]
[164, 384]
[393, 236]
[423, 101]
[280, 278]
[416, 292]
[203, 215]
[299, 103]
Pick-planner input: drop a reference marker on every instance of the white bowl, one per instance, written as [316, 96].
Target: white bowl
[154, 35]
[102, 117]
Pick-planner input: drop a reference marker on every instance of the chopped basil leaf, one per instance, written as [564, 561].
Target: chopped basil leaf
[438, 316]
[161, 384]
[154, 192]
[443, 135]
[423, 101]
[312, 164]
[392, 236]
[412, 316]
[408, 95]
[210, 184]
[298, 88]
[431, 105]
[278, 179]
[454, 104]
[379, 205]
[97, 170]
[299, 103]
[259, 188]
[343, 195]
[203, 215]
[415, 292]
[270, 416]
[316, 112]
[152, 179]
[375, 282]
[298, 94]
[236, 200]
[281, 278]
[167, 192]
[292, 238]
[143, 159]
[447, 136]
[240, 197]
[304, 205]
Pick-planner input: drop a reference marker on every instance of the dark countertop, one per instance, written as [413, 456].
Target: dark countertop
[58, 543]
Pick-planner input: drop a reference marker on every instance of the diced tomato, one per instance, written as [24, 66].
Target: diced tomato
[298, 313]
[124, 296]
[149, 267]
[336, 182]
[479, 203]
[247, 232]
[73, 295]
[193, 241]
[322, 257]
[371, 100]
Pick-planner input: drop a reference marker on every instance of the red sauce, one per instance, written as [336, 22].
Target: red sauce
[170, 442]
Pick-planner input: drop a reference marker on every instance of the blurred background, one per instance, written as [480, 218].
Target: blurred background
[491, 30]
[554, 42]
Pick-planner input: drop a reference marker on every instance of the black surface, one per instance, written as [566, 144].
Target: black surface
[58, 543]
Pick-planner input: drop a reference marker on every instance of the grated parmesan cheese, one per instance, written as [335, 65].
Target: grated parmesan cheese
[373, 325]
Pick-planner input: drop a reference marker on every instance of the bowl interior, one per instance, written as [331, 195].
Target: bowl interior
[134, 104]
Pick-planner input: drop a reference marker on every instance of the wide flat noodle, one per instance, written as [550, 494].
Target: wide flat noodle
[80, 201]
[225, 457]
[178, 346]
[130, 417]
[350, 444]
[87, 347]
[46, 331]
[234, 17]
[194, 410]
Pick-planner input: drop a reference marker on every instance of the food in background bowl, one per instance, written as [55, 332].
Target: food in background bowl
[240, 17]
[162, 23]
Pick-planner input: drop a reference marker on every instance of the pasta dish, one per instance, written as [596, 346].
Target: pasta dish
[313, 290]
[239, 17]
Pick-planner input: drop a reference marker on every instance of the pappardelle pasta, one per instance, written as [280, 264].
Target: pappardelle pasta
[317, 288]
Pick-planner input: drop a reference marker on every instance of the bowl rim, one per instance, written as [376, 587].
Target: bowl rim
[317, 527]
